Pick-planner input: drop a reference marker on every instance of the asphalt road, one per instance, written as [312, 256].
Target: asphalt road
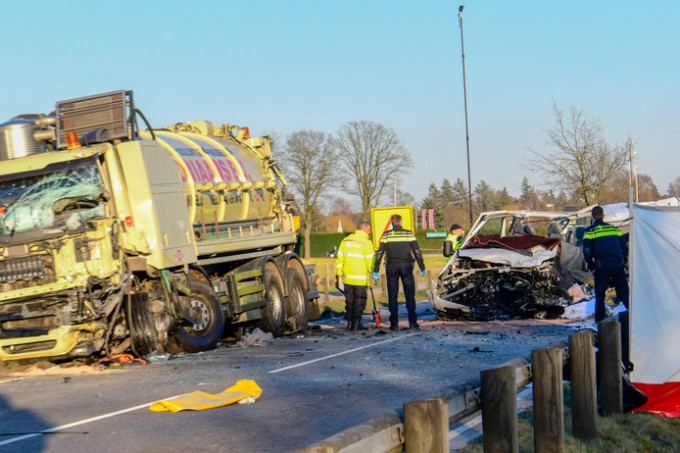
[314, 386]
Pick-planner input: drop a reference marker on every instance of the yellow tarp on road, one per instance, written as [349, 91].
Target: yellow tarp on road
[198, 401]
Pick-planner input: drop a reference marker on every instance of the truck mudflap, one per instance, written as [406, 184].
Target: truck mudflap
[64, 341]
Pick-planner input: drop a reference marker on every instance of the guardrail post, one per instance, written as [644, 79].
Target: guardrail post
[426, 426]
[583, 393]
[609, 367]
[548, 400]
[499, 410]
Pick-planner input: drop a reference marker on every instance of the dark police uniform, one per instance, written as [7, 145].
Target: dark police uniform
[604, 249]
[400, 248]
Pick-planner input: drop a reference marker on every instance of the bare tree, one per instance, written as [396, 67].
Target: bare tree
[372, 155]
[582, 163]
[309, 159]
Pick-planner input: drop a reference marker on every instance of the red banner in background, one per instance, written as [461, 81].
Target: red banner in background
[424, 217]
[432, 219]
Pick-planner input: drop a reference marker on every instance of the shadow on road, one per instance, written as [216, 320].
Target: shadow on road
[20, 430]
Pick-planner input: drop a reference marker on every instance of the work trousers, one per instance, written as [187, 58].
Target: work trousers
[355, 302]
[394, 271]
[603, 277]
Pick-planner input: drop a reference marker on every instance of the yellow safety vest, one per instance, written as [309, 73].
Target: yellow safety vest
[456, 241]
[355, 259]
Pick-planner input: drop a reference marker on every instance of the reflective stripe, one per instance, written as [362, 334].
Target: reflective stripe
[356, 255]
[398, 238]
[600, 232]
[363, 278]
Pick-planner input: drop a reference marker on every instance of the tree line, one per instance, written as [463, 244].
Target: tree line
[364, 159]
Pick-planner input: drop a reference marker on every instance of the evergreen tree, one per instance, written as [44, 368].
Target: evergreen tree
[460, 193]
[447, 193]
[485, 197]
[503, 198]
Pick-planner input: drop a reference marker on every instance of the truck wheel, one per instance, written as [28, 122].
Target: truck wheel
[297, 305]
[145, 337]
[206, 312]
[273, 314]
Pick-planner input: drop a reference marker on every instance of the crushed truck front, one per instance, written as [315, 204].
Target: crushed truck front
[55, 251]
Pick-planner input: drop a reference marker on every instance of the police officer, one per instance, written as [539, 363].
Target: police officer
[401, 249]
[353, 264]
[605, 250]
[453, 241]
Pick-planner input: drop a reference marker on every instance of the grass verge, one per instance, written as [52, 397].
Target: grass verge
[617, 433]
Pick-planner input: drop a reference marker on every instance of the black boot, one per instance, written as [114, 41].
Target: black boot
[350, 325]
[359, 326]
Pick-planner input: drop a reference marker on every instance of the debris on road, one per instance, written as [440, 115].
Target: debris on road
[257, 337]
[244, 390]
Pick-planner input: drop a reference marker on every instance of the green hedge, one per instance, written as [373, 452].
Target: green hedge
[322, 243]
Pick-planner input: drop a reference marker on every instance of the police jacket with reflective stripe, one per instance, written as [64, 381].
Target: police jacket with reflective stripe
[399, 245]
[354, 262]
[455, 241]
[604, 244]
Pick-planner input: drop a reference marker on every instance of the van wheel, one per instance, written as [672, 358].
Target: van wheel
[274, 313]
[208, 321]
[297, 302]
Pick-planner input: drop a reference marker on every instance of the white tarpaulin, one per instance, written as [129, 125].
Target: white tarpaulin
[655, 309]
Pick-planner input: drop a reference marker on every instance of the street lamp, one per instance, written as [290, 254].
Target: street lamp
[467, 132]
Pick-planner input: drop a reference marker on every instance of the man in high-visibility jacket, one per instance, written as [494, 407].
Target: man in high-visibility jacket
[605, 250]
[354, 264]
[453, 241]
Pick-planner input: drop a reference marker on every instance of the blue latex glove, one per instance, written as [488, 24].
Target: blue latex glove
[423, 272]
[376, 276]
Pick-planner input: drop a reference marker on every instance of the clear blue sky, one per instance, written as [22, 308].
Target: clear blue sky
[283, 66]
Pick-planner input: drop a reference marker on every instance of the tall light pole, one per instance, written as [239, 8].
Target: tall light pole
[467, 132]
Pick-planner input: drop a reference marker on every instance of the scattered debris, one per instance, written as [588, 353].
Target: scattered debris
[119, 360]
[257, 337]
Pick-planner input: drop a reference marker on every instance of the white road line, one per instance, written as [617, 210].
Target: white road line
[340, 353]
[464, 429]
[81, 422]
[472, 428]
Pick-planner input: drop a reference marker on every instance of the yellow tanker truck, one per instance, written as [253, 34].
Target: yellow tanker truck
[114, 237]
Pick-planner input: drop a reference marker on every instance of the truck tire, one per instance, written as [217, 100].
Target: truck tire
[208, 324]
[274, 313]
[144, 335]
[297, 302]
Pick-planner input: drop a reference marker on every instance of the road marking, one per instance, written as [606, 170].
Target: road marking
[469, 430]
[78, 423]
[463, 432]
[341, 353]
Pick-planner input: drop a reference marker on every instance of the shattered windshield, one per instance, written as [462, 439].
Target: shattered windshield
[34, 200]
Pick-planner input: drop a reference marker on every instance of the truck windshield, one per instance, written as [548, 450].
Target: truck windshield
[34, 200]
